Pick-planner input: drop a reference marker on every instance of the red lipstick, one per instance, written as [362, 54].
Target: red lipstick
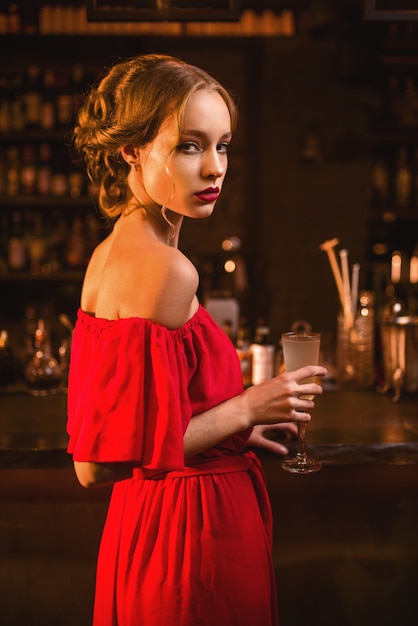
[210, 194]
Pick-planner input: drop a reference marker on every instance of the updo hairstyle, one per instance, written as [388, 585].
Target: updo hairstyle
[128, 107]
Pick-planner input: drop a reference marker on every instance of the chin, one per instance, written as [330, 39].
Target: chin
[204, 211]
[201, 215]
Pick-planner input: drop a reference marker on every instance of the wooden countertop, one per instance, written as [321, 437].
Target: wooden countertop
[353, 426]
[347, 427]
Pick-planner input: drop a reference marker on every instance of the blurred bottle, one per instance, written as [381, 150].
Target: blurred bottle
[17, 252]
[59, 177]
[4, 243]
[78, 81]
[43, 372]
[30, 326]
[403, 180]
[243, 347]
[48, 113]
[75, 257]
[14, 18]
[3, 174]
[57, 236]
[7, 361]
[262, 350]
[44, 170]
[33, 97]
[379, 184]
[355, 355]
[13, 178]
[76, 183]
[28, 172]
[37, 245]
[17, 105]
[409, 102]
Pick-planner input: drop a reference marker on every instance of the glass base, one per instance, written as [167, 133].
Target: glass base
[301, 465]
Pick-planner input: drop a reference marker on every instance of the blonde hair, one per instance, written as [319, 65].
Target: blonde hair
[128, 107]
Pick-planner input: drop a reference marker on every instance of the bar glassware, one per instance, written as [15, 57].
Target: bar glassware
[300, 349]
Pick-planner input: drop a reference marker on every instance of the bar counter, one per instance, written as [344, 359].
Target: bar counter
[347, 427]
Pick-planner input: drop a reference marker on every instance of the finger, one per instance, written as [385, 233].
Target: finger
[303, 402]
[308, 371]
[309, 389]
[275, 447]
[300, 416]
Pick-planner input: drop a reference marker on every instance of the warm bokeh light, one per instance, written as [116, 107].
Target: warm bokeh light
[396, 267]
[413, 270]
[229, 266]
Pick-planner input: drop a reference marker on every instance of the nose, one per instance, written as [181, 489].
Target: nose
[215, 165]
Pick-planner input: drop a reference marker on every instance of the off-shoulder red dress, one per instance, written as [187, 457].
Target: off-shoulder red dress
[184, 543]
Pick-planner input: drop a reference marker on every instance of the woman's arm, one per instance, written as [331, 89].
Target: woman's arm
[91, 474]
[274, 401]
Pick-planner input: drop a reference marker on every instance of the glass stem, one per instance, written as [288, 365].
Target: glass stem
[301, 452]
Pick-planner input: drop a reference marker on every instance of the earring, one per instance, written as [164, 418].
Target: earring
[135, 165]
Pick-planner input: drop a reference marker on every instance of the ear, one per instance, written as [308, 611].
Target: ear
[130, 154]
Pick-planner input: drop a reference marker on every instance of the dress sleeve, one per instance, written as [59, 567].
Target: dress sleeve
[127, 394]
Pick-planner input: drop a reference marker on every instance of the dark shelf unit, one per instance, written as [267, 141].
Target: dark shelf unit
[393, 221]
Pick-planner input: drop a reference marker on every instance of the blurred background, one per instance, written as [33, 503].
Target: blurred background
[325, 148]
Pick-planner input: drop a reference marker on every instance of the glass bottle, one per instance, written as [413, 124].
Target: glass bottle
[44, 169]
[43, 372]
[365, 326]
[17, 252]
[33, 97]
[262, 350]
[47, 109]
[28, 173]
[13, 175]
[355, 355]
[75, 257]
[37, 245]
[7, 363]
[243, 348]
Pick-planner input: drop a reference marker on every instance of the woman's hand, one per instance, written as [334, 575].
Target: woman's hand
[262, 436]
[268, 404]
[284, 398]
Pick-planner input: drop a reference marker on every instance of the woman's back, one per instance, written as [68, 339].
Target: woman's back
[132, 273]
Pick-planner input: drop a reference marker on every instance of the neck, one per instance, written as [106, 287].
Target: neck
[165, 224]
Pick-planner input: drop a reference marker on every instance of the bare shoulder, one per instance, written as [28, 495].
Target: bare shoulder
[133, 274]
[142, 279]
[169, 289]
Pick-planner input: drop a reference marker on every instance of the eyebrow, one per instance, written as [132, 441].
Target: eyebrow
[199, 133]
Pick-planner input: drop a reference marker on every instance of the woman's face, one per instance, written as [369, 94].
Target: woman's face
[185, 173]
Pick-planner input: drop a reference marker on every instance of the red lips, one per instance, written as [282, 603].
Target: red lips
[210, 194]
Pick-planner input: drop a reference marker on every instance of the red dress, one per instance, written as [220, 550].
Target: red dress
[185, 543]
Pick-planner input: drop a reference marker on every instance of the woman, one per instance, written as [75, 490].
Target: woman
[156, 403]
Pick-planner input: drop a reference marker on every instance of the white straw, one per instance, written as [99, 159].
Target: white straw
[354, 287]
[328, 247]
[346, 287]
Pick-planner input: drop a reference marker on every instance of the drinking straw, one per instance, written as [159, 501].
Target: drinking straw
[328, 247]
[354, 287]
[347, 307]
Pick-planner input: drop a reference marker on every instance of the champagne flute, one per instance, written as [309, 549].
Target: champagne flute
[300, 349]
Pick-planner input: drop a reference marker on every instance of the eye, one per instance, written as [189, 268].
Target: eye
[189, 147]
[222, 148]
